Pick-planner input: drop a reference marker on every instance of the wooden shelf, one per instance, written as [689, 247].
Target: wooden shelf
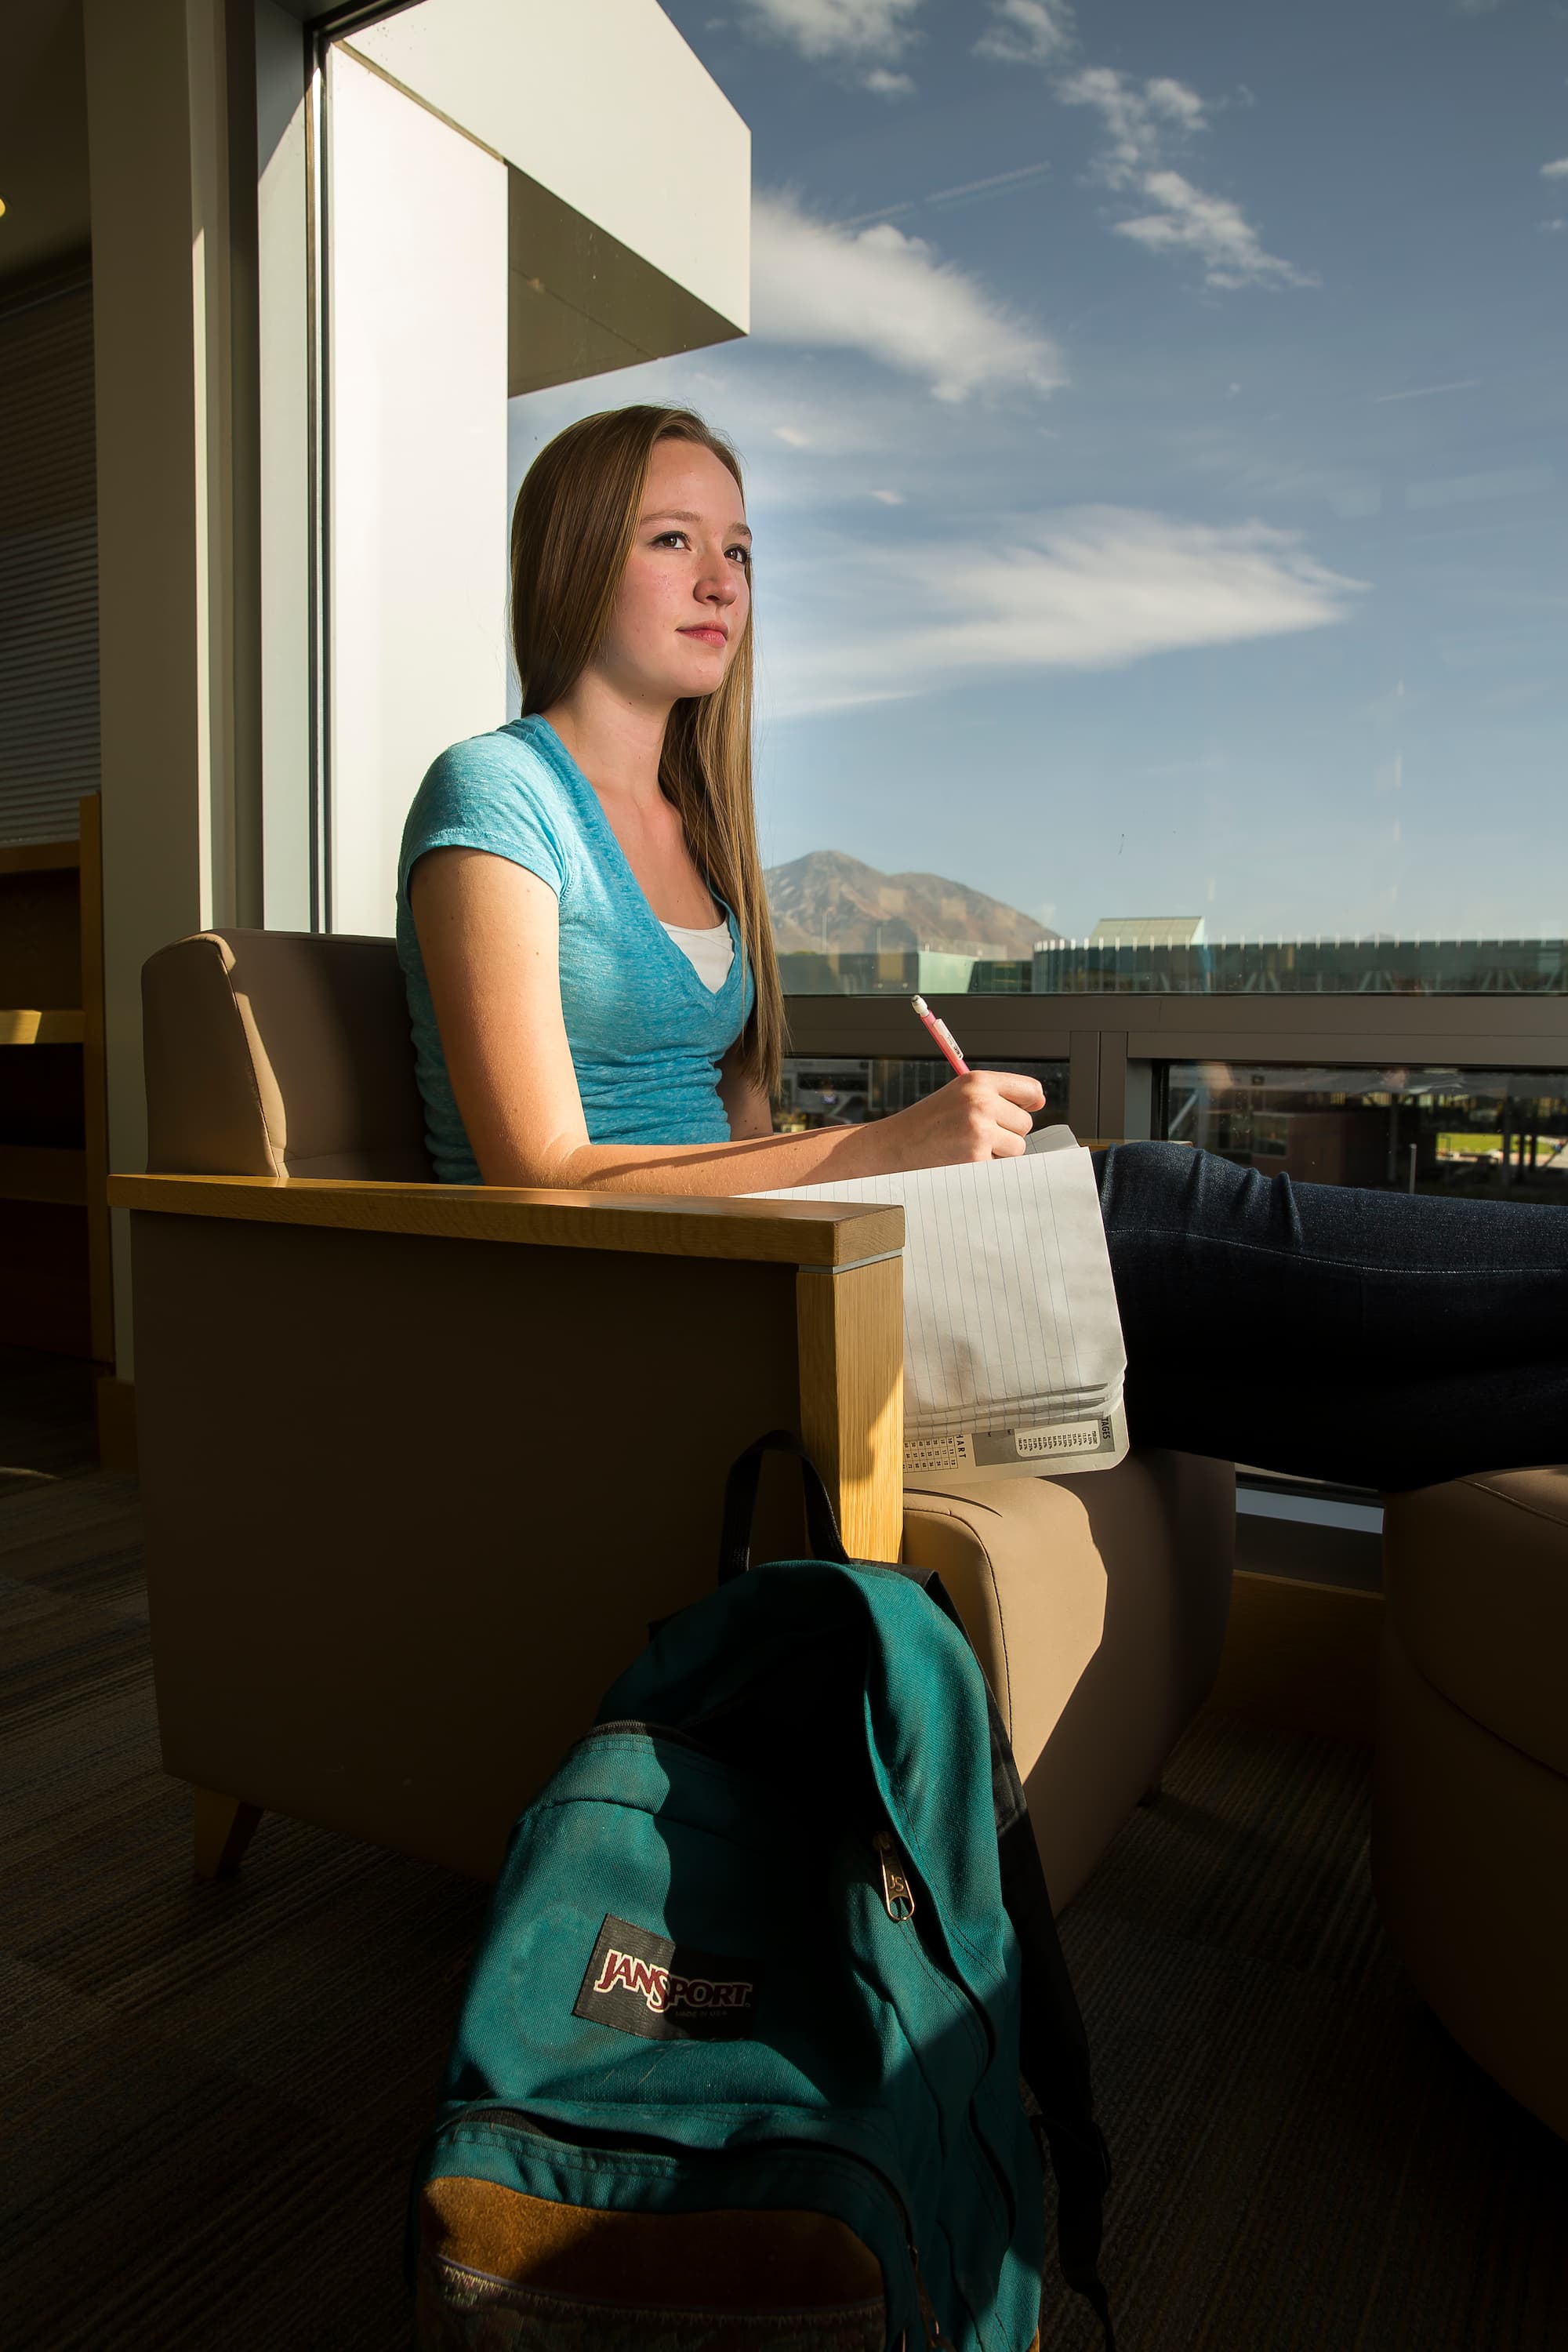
[56, 1288]
[40, 857]
[34, 1028]
[55, 1174]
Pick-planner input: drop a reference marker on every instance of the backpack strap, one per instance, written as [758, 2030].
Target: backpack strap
[1053, 2048]
[740, 1503]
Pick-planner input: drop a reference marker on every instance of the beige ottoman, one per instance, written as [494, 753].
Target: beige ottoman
[1470, 1821]
[1097, 1606]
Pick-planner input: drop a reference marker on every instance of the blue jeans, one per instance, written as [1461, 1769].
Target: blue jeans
[1381, 1339]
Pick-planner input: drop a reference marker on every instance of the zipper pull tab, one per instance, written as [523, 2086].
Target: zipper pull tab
[897, 1896]
[930, 2325]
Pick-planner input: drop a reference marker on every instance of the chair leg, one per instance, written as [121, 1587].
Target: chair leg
[1154, 1792]
[225, 1827]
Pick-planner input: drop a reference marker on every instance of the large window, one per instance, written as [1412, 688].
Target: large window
[1154, 421]
[490, 207]
[1491, 1133]
[833, 1090]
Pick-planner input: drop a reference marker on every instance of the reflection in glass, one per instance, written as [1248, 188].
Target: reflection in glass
[1377, 966]
[1141, 964]
[834, 1089]
[1462, 1133]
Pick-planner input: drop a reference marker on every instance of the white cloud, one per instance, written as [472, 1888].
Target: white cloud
[877, 30]
[1552, 227]
[1141, 119]
[1027, 32]
[887, 295]
[1084, 588]
[1558, 171]
[1138, 118]
[831, 29]
[1212, 228]
[883, 84]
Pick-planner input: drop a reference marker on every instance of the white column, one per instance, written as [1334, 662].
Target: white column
[171, 597]
[283, 393]
[416, 217]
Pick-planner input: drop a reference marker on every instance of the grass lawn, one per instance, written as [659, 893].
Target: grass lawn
[1477, 1145]
[1473, 1147]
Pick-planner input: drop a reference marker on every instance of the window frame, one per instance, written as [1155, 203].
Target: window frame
[1116, 1046]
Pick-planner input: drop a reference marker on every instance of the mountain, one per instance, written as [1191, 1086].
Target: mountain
[828, 901]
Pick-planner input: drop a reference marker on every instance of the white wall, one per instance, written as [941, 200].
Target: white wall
[155, 77]
[417, 222]
[418, 434]
[602, 103]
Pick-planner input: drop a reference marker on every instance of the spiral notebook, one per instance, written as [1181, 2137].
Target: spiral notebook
[1013, 1352]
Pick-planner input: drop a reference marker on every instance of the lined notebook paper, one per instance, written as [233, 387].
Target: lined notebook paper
[1013, 1352]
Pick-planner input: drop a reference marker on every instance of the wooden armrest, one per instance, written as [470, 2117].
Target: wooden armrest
[198, 1237]
[826, 1233]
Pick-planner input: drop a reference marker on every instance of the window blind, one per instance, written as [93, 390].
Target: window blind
[48, 567]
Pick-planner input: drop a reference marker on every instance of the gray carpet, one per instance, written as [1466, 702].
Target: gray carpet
[211, 2092]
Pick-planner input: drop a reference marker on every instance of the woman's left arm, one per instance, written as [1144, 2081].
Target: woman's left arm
[746, 1105]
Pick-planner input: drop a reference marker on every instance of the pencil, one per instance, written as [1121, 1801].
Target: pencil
[942, 1034]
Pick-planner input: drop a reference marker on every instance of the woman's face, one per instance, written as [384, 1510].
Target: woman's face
[686, 593]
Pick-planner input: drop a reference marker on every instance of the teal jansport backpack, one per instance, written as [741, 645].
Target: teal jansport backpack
[739, 2064]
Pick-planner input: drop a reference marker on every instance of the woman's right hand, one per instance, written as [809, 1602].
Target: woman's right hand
[986, 1116]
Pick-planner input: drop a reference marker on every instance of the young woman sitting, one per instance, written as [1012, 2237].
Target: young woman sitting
[596, 1004]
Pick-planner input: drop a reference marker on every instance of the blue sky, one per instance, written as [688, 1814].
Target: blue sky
[1154, 420]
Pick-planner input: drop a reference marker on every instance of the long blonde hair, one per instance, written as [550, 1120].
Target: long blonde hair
[573, 529]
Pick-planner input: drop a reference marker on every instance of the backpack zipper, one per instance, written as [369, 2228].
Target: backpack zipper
[899, 1901]
[930, 2325]
[898, 1895]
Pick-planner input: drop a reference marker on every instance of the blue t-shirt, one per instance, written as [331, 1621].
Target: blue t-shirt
[646, 1033]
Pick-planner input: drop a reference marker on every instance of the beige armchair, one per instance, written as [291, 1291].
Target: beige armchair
[420, 1462]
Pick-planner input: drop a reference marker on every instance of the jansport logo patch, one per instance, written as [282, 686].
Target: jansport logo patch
[668, 1995]
[638, 1982]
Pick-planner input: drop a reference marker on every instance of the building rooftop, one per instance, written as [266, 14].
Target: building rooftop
[1148, 931]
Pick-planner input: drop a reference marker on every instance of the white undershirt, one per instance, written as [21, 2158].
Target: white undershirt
[709, 952]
